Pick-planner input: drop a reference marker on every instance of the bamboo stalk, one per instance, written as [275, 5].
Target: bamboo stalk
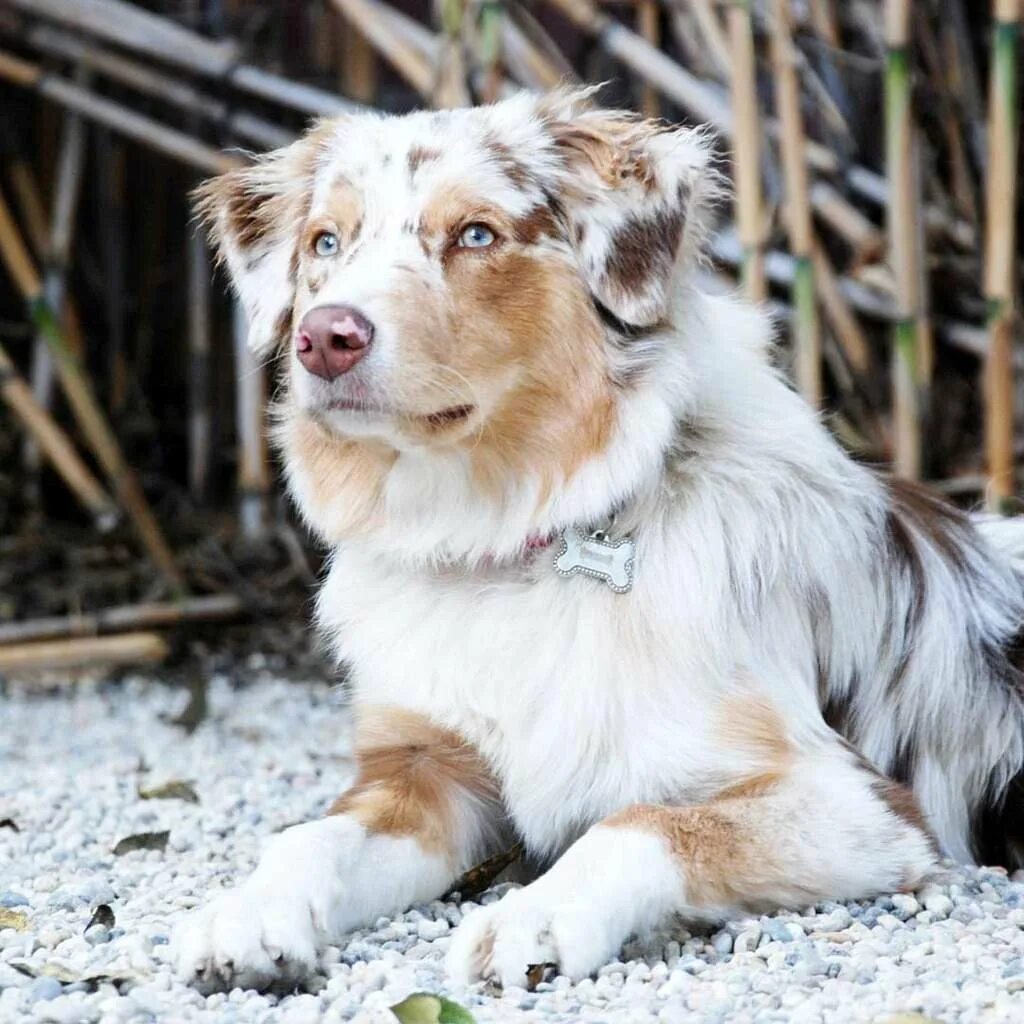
[407, 60]
[135, 29]
[250, 396]
[908, 396]
[531, 52]
[199, 413]
[711, 32]
[1000, 251]
[126, 122]
[857, 230]
[66, 195]
[83, 652]
[167, 88]
[212, 608]
[54, 444]
[806, 336]
[648, 25]
[841, 318]
[82, 400]
[30, 202]
[746, 156]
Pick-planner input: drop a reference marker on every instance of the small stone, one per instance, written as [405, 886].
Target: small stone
[939, 904]
[746, 941]
[11, 899]
[44, 988]
[722, 943]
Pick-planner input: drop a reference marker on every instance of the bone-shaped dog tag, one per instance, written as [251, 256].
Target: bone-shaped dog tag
[610, 561]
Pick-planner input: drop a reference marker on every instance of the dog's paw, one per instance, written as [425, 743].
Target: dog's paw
[246, 938]
[510, 941]
[266, 932]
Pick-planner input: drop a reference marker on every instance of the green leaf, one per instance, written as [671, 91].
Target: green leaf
[452, 1013]
[424, 1008]
[173, 790]
[142, 841]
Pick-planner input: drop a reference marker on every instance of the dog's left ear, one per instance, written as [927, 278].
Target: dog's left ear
[254, 215]
[635, 193]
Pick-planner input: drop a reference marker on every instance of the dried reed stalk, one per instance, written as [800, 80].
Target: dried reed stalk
[53, 442]
[211, 608]
[648, 24]
[904, 257]
[806, 335]
[78, 390]
[746, 155]
[250, 401]
[80, 652]
[1000, 252]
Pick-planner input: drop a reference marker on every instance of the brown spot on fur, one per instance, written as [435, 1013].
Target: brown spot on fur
[755, 729]
[419, 155]
[756, 785]
[643, 251]
[902, 802]
[723, 862]
[511, 167]
[540, 222]
[412, 774]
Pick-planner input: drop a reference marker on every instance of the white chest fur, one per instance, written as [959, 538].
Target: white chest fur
[579, 708]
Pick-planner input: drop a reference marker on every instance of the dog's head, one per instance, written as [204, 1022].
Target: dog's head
[488, 279]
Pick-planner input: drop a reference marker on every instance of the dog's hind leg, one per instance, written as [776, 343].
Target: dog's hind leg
[422, 810]
[829, 827]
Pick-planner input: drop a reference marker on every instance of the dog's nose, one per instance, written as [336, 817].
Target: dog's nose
[332, 339]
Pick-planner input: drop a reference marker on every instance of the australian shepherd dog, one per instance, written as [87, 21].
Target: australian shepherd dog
[603, 582]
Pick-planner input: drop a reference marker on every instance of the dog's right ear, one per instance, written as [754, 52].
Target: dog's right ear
[254, 216]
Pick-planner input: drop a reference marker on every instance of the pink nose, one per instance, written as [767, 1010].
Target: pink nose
[332, 339]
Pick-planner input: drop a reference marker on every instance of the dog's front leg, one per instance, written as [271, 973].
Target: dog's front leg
[827, 827]
[422, 810]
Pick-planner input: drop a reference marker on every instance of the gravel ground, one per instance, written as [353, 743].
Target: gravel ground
[271, 753]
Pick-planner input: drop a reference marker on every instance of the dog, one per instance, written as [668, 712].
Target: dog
[603, 581]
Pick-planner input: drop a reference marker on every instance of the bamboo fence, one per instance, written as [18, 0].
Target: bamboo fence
[875, 210]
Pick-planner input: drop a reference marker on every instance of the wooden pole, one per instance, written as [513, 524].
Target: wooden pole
[806, 335]
[1000, 249]
[904, 257]
[82, 400]
[746, 153]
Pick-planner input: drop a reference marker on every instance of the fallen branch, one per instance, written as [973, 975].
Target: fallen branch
[83, 652]
[215, 608]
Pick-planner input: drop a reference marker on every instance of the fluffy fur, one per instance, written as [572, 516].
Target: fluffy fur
[812, 687]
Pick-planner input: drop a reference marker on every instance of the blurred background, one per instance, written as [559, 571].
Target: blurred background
[872, 146]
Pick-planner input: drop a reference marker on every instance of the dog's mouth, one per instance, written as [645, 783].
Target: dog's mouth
[448, 417]
[438, 420]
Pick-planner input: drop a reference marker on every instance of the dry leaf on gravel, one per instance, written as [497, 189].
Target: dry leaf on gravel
[12, 919]
[142, 841]
[173, 790]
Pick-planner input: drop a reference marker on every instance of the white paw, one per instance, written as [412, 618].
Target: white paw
[503, 941]
[266, 932]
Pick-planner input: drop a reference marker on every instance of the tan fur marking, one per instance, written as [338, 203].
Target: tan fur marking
[410, 774]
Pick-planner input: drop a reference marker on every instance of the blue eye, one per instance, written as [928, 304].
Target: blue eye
[325, 244]
[476, 236]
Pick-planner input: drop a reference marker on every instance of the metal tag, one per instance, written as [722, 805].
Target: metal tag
[610, 561]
